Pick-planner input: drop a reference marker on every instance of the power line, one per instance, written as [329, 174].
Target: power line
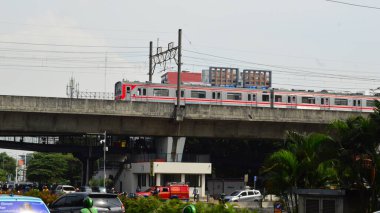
[297, 71]
[76, 71]
[292, 67]
[69, 45]
[356, 5]
[62, 51]
[69, 60]
[65, 67]
[320, 75]
[85, 28]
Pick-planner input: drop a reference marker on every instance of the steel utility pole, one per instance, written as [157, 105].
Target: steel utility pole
[179, 70]
[104, 156]
[104, 159]
[161, 57]
[150, 61]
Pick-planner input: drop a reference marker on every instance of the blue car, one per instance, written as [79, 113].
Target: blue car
[22, 204]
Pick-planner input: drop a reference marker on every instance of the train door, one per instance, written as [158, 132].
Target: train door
[292, 101]
[252, 99]
[357, 105]
[217, 97]
[325, 103]
[128, 93]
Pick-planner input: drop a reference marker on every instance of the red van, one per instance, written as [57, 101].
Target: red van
[171, 190]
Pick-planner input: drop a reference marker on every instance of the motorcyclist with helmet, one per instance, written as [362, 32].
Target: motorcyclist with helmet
[87, 206]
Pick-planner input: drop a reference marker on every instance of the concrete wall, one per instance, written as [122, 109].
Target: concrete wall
[172, 168]
[36, 115]
[182, 168]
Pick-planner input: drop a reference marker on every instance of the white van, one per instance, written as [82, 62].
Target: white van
[244, 196]
[64, 189]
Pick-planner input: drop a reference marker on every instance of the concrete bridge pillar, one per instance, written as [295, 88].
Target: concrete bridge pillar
[170, 148]
[87, 159]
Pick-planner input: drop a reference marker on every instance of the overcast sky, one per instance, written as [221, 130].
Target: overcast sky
[312, 44]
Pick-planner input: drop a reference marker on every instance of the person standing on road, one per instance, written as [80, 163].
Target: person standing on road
[195, 194]
[87, 206]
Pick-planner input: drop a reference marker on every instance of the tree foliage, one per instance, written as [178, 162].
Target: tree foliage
[347, 158]
[7, 166]
[304, 162]
[53, 168]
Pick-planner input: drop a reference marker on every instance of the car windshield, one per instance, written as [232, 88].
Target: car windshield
[235, 193]
[148, 190]
[68, 188]
[23, 206]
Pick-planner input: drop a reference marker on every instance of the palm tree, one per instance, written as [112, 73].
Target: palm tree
[282, 170]
[358, 140]
[306, 161]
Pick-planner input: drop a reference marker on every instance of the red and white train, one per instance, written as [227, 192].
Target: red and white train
[190, 94]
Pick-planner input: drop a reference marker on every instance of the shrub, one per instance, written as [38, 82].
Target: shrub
[152, 204]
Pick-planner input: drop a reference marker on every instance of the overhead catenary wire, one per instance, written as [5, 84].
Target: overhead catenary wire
[293, 70]
[355, 5]
[289, 66]
[67, 60]
[71, 45]
[65, 51]
[49, 70]
[120, 29]
[65, 67]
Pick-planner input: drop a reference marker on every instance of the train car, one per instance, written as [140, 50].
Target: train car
[274, 98]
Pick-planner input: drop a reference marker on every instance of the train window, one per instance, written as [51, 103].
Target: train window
[182, 93]
[233, 96]
[371, 103]
[340, 101]
[249, 97]
[128, 90]
[359, 103]
[216, 95]
[253, 97]
[277, 98]
[160, 92]
[266, 98]
[308, 100]
[139, 91]
[198, 94]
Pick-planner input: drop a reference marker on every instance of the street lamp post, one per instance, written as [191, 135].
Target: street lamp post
[104, 157]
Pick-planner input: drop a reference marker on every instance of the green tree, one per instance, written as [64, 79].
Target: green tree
[7, 166]
[74, 171]
[359, 140]
[52, 168]
[306, 161]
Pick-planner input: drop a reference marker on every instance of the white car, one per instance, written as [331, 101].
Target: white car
[244, 196]
[64, 189]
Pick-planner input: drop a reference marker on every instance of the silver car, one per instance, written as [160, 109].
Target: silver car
[244, 196]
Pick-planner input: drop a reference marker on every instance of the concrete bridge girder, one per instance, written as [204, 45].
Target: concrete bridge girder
[26, 115]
